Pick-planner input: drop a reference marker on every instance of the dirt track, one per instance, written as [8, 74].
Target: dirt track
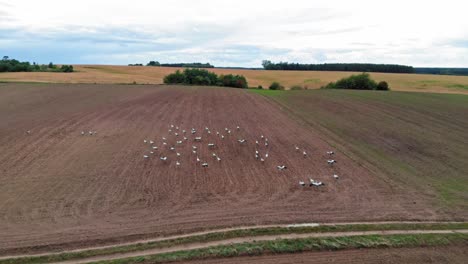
[63, 190]
[250, 240]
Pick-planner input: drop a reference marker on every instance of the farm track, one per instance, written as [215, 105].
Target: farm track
[250, 239]
[61, 190]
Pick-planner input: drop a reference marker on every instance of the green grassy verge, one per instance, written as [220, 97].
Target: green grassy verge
[216, 236]
[300, 245]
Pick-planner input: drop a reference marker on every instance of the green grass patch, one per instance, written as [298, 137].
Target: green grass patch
[300, 245]
[458, 86]
[216, 236]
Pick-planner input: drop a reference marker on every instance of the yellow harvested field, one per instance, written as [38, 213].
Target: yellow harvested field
[311, 79]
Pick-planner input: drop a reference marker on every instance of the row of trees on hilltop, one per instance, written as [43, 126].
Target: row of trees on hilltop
[180, 65]
[12, 65]
[203, 77]
[357, 67]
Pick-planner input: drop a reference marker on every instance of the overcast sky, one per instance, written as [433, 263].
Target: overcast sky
[237, 32]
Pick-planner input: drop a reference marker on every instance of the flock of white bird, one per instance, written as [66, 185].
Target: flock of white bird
[183, 136]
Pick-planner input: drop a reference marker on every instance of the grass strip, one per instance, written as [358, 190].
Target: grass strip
[217, 236]
[300, 245]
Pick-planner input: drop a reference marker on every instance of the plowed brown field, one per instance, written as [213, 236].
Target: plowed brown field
[61, 189]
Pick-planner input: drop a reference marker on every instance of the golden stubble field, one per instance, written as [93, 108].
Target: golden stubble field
[107, 74]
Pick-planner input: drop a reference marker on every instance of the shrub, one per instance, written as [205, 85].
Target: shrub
[203, 77]
[260, 87]
[66, 68]
[276, 86]
[357, 82]
[175, 78]
[236, 81]
[383, 86]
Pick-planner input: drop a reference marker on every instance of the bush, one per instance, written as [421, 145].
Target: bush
[357, 82]
[66, 68]
[236, 81]
[204, 77]
[383, 86]
[260, 87]
[175, 78]
[276, 86]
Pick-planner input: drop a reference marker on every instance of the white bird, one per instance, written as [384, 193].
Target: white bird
[205, 165]
[177, 128]
[198, 139]
[217, 133]
[183, 131]
[179, 142]
[261, 136]
[266, 144]
[151, 152]
[155, 147]
[241, 140]
[336, 176]
[185, 138]
[172, 126]
[178, 154]
[302, 183]
[331, 162]
[225, 129]
[222, 136]
[211, 145]
[256, 156]
[172, 148]
[214, 154]
[206, 128]
[163, 158]
[194, 151]
[282, 167]
[304, 153]
[256, 142]
[229, 131]
[164, 138]
[151, 142]
[194, 147]
[262, 160]
[266, 155]
[330, 152]
[82, 133]
[170, 130]
[28, 132]
[145, 156]
[198, 159]
[209, 132]
[176, 134]
[164, 143]
[90, 132]
[256, 151]
[218, 158]
[177, 163]
[238, 127]
[193, 131]
[297, 148]
[316, 183]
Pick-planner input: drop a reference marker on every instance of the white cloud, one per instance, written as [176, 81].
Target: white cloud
[419, 33]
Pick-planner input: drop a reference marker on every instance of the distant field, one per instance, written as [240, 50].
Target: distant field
[414, 139]
[310, 79]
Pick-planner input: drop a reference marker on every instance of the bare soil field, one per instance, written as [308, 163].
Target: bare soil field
[107, 74]
[416, 139]
[61, 189]
[436, 255]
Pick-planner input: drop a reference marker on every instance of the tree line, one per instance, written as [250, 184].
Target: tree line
[357, 67]
[181, 65]
[12, 65]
